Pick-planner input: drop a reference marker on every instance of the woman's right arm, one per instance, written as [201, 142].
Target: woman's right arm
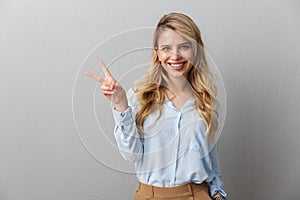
[126, 133]
[127, 136]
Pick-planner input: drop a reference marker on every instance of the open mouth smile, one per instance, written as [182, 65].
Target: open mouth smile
[178, 65]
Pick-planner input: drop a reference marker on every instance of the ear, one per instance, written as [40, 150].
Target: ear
[155, 51]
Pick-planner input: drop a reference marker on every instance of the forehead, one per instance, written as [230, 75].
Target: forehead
[171, 37]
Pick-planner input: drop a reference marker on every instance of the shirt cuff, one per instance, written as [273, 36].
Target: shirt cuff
[123, 118]
[216, 185]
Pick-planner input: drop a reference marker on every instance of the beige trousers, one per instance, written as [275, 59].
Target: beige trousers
[189, 191]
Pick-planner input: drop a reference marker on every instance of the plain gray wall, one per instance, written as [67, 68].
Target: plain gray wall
[43, 45]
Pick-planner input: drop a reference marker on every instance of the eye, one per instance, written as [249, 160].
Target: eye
[166, 48]
[185, 47]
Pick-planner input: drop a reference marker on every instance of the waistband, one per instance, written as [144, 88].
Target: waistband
[186, 189]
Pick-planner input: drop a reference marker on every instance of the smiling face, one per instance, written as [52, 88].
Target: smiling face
[175, 53]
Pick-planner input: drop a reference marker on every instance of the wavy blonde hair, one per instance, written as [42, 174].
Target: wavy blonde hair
[150, 89]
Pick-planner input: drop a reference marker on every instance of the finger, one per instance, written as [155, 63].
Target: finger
[94, 76]
[105, 69]
[106, 88]
[108, 92]
[112, 85]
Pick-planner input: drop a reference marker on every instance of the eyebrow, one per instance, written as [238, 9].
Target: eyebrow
[184, 43]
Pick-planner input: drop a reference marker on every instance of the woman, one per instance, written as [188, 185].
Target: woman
[167, 124]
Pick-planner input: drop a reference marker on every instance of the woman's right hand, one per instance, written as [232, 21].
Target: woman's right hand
[111, 88]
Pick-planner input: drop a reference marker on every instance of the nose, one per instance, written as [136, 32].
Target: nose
[175, 54]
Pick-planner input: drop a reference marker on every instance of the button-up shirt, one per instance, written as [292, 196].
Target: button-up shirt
[174, 149]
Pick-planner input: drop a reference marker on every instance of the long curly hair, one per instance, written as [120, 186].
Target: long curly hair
[150, 89]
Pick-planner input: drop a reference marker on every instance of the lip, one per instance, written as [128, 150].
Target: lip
[177, 65]
[177, 62]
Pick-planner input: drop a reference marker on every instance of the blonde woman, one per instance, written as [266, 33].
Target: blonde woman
[167, 123]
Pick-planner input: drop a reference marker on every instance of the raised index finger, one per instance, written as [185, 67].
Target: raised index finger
[105, 69]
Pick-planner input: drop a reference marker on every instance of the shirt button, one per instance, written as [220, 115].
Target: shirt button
[122, 128]
[122, 114]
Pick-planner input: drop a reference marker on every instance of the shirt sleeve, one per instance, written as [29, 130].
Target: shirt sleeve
[127, 136]
[216, 185]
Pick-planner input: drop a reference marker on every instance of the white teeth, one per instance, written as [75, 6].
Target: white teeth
[176, 65]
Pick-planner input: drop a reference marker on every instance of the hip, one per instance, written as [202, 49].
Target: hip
[190, 191]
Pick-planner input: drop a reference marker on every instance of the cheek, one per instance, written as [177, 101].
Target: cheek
[189, 56]
[162, 57]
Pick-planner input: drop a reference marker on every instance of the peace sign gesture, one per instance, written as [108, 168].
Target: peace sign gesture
[111, 88]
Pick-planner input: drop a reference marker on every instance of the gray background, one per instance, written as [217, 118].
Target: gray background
[43, 44]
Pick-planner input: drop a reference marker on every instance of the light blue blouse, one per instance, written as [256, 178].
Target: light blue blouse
[174, 150]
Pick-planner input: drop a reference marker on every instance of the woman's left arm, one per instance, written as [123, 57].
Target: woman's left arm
[216, 185]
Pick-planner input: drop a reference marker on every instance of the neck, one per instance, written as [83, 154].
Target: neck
[179, 85]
